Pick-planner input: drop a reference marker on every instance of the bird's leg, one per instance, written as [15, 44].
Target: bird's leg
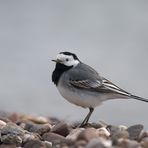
[85, 121]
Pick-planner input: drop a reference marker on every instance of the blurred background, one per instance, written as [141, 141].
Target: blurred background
[111, 36]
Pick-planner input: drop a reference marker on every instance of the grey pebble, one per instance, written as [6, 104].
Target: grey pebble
[134, 131]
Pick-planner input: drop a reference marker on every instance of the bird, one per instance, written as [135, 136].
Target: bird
[83, 86]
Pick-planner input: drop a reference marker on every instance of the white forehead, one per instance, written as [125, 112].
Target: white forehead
[63, 56]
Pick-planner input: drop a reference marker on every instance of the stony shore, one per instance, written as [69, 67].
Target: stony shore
[17, 130]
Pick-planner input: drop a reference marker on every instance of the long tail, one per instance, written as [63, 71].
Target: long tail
[138, 98]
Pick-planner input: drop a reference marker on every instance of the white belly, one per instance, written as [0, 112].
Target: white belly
[84, 99]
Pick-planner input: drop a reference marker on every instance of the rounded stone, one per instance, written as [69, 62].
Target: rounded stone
[87, 134]
[61, 128]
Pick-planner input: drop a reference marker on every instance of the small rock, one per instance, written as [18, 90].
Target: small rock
[34, 144]
[13, 117]
[87, 134]
[119, 135]
[122, 127]
[36, 128]
[103, 132]
[7, 146]
[47, 144]
[126, 143]
[74, 134]
[61, 128]
[12, 128]
[34, 119]
[30, 136]
[143, 135]
[53, 137]
[134, 131]
[144, 143]
[2, 124]
[99, 143]
[11, 139]
[80, 144]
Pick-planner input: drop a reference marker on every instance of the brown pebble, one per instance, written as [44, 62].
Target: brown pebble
[61, 128]
[7, 146]
[87, 134]
[34, 144]
[53, 137]
[13, 117]
[126, 143]
[134, 131]
[80, 144]
[144, 143]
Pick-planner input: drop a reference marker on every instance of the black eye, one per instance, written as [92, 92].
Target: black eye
[67, 59]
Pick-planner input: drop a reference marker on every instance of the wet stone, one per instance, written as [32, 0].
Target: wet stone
[61, 128]
[134, 131]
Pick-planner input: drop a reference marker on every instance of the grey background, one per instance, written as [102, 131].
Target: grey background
[111, 36]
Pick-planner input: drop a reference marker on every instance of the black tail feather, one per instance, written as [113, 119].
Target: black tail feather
[138, 98]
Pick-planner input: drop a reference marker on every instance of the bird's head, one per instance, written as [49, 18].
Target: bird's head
[67, 58]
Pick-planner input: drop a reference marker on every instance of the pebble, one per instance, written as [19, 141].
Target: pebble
[7, 146]
[99, 143]
[12, 128]
[87, 134]
[143, 135]
[134, 131]
[61, 128]
[74, 134]
[103, 132]
[36, 128]
[2, 124]
[126, 143]
[80, 144]
[144, 142]
[34, 144]
[53, 137]
[35, 119]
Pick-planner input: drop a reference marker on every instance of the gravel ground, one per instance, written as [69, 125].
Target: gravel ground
[17, 130]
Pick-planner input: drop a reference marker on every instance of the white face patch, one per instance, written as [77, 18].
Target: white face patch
[67, 60]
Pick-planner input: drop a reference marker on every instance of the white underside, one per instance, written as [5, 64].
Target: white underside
[83, 98]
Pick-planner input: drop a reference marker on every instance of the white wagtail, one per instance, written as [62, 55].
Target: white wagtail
[81, 85]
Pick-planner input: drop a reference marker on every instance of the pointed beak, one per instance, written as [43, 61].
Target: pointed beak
[56, 60]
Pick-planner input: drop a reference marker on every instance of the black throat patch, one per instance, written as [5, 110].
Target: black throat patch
[59, 69]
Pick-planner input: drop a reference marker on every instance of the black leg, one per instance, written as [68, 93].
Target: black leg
[85, 121]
